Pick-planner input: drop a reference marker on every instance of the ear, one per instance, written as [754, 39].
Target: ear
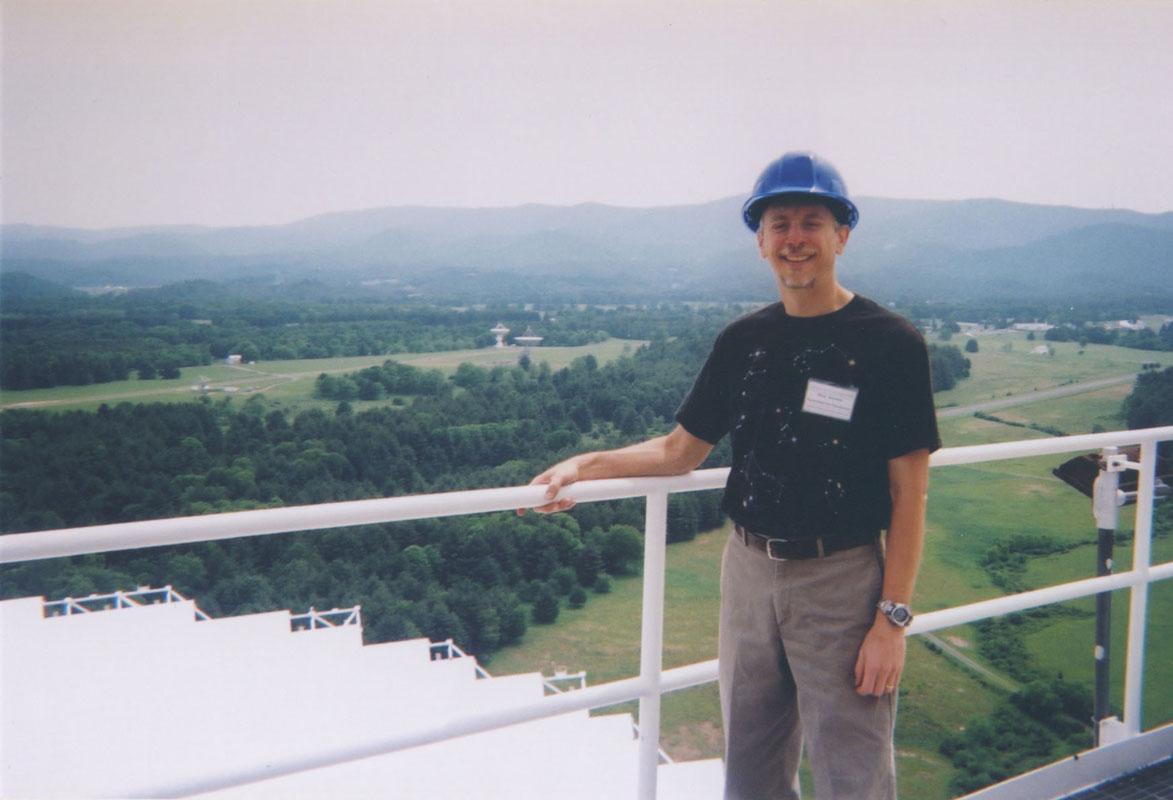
[762, 240]
[842, 232]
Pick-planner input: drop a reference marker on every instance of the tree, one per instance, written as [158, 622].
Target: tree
[564, 580]
[588, 564]
[971, 346]
[622, 546]
[546, 605]
[248, 351]
[947, 365]
[683, 518]
[1151, 402]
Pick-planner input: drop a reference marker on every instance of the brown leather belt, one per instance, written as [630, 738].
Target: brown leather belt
[794, 549]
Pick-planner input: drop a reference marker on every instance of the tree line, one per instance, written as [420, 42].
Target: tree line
[148, 333]
[73, 340]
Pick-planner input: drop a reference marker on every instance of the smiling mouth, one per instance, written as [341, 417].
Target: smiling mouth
[792, 259]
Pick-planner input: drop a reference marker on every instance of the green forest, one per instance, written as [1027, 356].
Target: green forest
[477, 581]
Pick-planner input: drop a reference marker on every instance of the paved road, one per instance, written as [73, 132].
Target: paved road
[1030, 397]
[960, 657]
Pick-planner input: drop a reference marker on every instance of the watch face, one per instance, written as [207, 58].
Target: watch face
[901, 616]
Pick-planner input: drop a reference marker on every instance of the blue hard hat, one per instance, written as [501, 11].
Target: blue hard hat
[800, 174]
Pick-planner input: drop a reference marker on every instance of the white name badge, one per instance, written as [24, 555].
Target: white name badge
[829, 400]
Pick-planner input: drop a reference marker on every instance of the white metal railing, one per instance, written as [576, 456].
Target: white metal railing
[652, 680]
[143, 595]
[314, 619]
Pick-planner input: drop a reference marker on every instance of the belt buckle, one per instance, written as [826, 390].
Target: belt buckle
[770, 550]
[820, 552]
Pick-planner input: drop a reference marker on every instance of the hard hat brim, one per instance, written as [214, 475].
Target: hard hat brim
[843, 209]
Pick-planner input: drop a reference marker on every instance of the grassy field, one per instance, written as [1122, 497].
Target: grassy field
[289, 384]
[1004, 366]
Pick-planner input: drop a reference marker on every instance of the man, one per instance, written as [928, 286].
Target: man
[827, 399]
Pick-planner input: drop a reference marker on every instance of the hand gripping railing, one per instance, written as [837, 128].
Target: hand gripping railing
[652, 680]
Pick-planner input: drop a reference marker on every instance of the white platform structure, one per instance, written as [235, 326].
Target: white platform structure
[137, 699]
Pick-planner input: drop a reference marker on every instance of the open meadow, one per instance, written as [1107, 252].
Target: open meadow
[290, 384]
[1006, 366]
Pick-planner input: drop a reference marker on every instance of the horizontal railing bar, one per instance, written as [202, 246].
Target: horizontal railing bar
[971, 454]
[688, 676]
[928, 621]
[16, 547]
[607, 694]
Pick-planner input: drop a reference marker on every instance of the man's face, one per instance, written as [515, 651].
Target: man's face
[801, 242]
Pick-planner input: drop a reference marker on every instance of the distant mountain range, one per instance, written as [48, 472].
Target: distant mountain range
[918, 249]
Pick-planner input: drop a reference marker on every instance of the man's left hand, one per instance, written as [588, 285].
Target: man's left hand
[881, 659]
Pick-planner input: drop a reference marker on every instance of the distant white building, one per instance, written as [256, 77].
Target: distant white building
[1032, 326]
[234, 359]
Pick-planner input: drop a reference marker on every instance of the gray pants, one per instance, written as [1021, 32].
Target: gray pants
[790, 633]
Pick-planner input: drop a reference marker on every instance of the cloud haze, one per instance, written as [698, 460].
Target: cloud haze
[266, 111]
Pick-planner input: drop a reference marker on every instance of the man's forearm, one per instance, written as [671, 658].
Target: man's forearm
[909, 482]
[880, 663]
[674, 454]
[902, 558]
[663, 455]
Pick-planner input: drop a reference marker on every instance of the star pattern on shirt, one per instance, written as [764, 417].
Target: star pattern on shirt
[783, 441]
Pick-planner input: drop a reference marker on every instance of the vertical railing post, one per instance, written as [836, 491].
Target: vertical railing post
[1105, 507]
[1138, 601]
[652, 641]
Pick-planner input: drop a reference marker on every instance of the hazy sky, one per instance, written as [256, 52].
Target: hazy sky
[266, 111]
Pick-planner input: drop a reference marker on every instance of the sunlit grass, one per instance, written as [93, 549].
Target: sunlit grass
[1005, 366]
[290, 383]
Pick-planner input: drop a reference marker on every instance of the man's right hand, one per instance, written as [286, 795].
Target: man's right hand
[673, 454]
[557, 476]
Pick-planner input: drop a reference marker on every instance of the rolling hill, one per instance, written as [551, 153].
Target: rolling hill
[931, 250]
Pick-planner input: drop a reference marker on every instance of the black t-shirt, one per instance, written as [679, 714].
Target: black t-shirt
[815, 407]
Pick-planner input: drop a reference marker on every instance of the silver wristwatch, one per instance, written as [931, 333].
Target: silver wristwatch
[897, 613]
